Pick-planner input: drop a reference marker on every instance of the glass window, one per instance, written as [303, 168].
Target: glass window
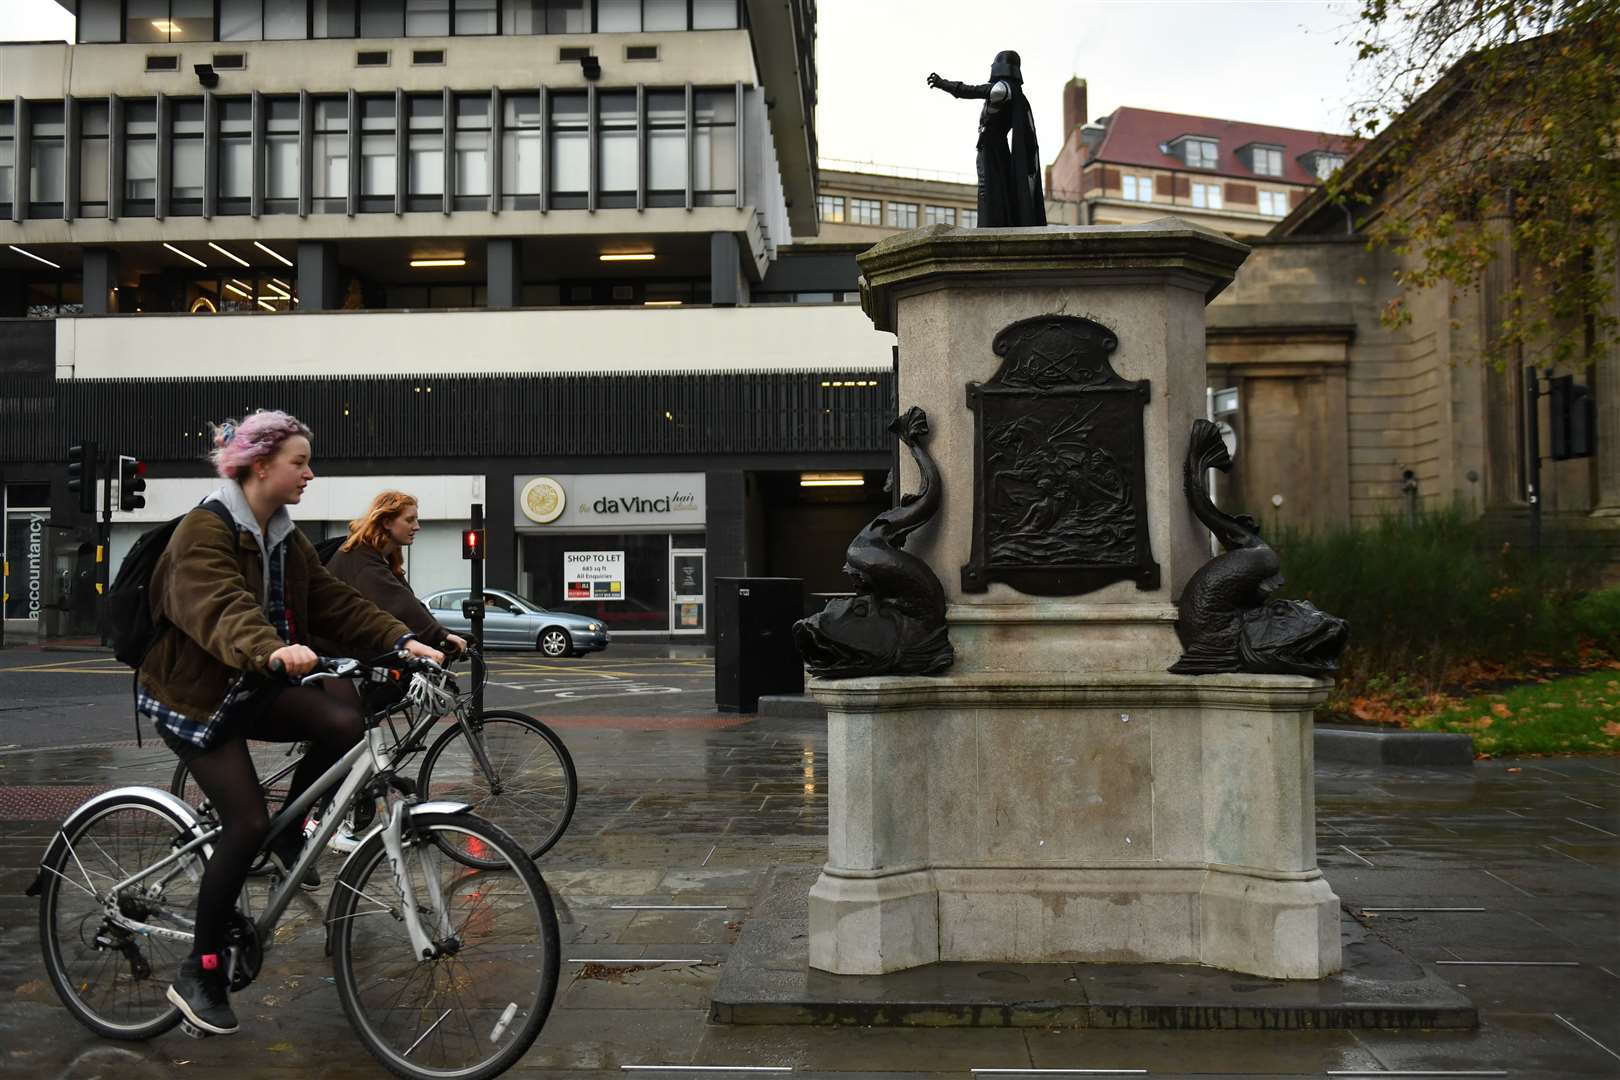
[1138, 188]
[425, 152]
[1274, 203]
[286, 21]
[329, 146]
[99, 21]
[865, 212]
[47, 169]
[714, 134]
[476, 17]
[902, 215]
[1267, 161]
[570, 158]
[382, 18]
[568, 17]
[1206, 196]
[241, 20]
[281, 156]
[186, 158]
[333, 18]
[616, 148]
[191, 20]
[427, 18]
[666, 148]
[377, 153]
[235, 155]
[8, 150]
[523, 17]
[939, 215]
[146, 21]
[472, 152]
[140, 158]
[970, 219]
[1327, 165]
[714, 14]
[1200, 153]
[618, 16]
[92, 159]
[831, 207]
[644, 603]
[663, 14]
[520, 152]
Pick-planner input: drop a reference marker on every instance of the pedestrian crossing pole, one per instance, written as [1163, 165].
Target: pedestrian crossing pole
[472, 549]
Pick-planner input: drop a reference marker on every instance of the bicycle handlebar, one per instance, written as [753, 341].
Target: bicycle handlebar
[336, 667]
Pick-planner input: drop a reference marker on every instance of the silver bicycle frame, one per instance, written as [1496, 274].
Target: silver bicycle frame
[371, 756]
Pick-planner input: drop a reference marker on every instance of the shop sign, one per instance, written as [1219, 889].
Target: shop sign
[611, 502]
[25, 565]
[542, 500]
[593, 575]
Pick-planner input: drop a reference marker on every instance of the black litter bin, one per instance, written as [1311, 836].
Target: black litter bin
[754, 651]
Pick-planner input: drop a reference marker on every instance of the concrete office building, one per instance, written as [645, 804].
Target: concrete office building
[486, 248]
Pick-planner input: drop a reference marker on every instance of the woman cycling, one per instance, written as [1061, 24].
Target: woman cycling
[243, 597]
[372, 560]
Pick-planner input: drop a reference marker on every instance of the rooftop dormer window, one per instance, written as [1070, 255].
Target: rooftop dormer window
[1322, 163]
[1196, 152]
[1263, 160]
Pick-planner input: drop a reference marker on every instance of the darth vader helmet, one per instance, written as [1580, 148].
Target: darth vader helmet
[1007, 66]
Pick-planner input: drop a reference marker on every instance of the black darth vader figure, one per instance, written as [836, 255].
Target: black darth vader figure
[1009, 178]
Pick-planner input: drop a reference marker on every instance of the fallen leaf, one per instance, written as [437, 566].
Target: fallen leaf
[279, 1048]
[1501, 709]
[1612, 729]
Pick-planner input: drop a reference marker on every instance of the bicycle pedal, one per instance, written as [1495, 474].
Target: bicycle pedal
[194, 1031]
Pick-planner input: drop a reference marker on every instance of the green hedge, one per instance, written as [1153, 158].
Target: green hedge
[1424, 596]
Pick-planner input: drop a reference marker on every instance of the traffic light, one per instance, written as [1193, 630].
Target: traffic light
[472, 543]
[81, 472]
[131, 482]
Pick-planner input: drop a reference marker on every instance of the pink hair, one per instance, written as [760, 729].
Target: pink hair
[238, 444]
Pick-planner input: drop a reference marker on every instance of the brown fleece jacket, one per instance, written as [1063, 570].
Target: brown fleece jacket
[366, 569]
[208, 585]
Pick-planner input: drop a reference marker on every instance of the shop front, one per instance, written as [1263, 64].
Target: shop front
[627, 549]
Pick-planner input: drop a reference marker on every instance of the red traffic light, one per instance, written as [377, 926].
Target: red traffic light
[472, 543]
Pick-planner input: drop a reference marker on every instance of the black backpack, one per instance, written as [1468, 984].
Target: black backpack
[126, 610]
[329, 547]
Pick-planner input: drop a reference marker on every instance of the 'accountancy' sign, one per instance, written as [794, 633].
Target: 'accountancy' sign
[609, 502]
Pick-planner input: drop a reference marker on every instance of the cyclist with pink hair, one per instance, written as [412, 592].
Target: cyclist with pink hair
[243, 600]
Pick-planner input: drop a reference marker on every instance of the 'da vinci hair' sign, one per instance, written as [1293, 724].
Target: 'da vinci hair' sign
[610, 501]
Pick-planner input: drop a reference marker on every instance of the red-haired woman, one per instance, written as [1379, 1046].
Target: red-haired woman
[372, 560]
[243, 597]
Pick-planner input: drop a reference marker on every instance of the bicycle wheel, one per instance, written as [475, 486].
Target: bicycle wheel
[111, 979]
[532, 793]
[474, 1010]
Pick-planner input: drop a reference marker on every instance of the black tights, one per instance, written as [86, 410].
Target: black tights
[327, 715]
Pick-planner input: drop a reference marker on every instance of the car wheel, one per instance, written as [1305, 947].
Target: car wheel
[555, 642]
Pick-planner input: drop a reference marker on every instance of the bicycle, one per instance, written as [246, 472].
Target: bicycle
[512, 769]
[479, 949]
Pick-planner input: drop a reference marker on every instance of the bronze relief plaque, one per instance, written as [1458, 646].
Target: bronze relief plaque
[1060, 491]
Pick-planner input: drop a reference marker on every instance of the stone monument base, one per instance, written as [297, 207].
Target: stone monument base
[1058, 817]
[767, 980]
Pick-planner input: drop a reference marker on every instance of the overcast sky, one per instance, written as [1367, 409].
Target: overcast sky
[1284, 62]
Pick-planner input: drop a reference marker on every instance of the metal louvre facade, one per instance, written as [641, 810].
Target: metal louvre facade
[465, 416]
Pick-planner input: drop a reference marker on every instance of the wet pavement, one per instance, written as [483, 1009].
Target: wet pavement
[1501, 880]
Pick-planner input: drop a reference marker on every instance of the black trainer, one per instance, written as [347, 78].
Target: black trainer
[203, 998]
[285, 853]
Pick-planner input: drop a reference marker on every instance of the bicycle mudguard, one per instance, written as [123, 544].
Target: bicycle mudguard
[88, 808]
[445, 807]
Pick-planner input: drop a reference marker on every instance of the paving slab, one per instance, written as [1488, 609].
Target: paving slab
[767, 980]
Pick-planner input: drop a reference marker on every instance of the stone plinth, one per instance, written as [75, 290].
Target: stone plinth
[1145, 818]
[1058, 796]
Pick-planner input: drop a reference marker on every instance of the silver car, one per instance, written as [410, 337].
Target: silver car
[513, 621]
